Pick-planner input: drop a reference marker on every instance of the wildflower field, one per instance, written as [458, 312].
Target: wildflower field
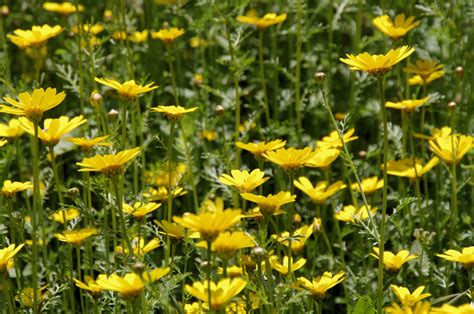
[239, 156]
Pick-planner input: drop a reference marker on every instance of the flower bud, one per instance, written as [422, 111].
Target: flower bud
[362, 154]
[108, 15]
[219, 110]
[459, 71]
[96, 99]
[452, 106]
[138, 268]
[73, 192]
[319, 77]
[113, 114]
[258, 253]
[5, 10]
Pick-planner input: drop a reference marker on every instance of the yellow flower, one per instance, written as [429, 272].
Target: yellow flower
[466, 257]
[451, 148]
[64, 8]
[409, 105]
[139, 37]
[227, 243]
[34, 37]
[208, 224]
[394, 262]
[139, 247]
[119, 35]
[129, 286]
[232, 271]
[161, 194]
[196, 42]
[26, 296]
[6, 257]
[348, 213]
[92, 29]
[9, 188]
[139, 209]
[91, 284]
[321, 284]
[409, 299]
[270, 204]
[108, 15]
[333, 140]
[410, 168]
[298, 237]
[397, 28]
[221, 292]
[261, 23]
[423, 68]
[54, 129]
[452, 309]
[33, 106]
[160, 175]
[418, 308]
[369, 185]
[209, 136]
[109, 164]
[168, 35]
[261, 148]
[75, 237]
[283, 267]
[321, 192]
[377, 64]
[63, 216]
[3, 142]
[127, 89]
[290, 158]
[86, 144]
[418, 80]
[12, 130]
[243, 180]
[173, 112]
[323, 158]
[171, 229]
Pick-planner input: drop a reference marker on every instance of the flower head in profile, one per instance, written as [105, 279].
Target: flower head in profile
[423, 68]
[210, 224]
[109, 165]
[139, 247]
[3, 142]
[290, 158]
[173, 113]
[227, 243]
[270, 204]
[418, 80]
[9, 188]
[75, 237]
[26, 296]
[321, 192]
[287, 264]
[168, 35]
[34, 37]
[369, 185]
[453, 309]
[139, 37]
[333, 140]
[33, 106]
[451, 147]
[261, 23]
[350, 213]
[410, 167]
[258, 149]
[397, 28]
[65, 8]
[221, 292]
[161, 194]
[419, 308]
[244, 181]
[128, 286]
[407, 298]
[64, 215]
[171, 229]
[323, 157]
[138, 210]
[377, 64]
[11, 130]
[86, 144]
[90, 284]
[6, 257]
[298, 237]
[92, 29]
[320, 285]
[465, 257]
[53, 129]
[394, 262]
[409, 105]
[128, 89]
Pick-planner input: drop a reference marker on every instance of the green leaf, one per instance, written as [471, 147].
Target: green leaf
[364, 306]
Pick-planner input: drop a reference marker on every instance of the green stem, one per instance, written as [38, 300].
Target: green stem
[170, 188]
[209, 273]
[262, 78]
[118, 187]
[380, 81]
[71, 275]
[299, 40]
[6, 287]
[5, 52]
[123, 141]
[190, 167]
[79, 57]
[36, 208]
[54, 167]
[454, 197]
[173, 74]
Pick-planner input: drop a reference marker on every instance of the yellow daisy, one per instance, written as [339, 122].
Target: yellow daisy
[139, 37]
[127, 89]
[287, 262]
[261, 148]
[320, 285]
[466, 257]
[12, 130]
[393, 262]
[261, 23]
[109, 164]
[270, 204]
[397, 28]
[410, 168]
[63, 216]
[350, 213]
[9, 188]
[244, 181]
[90, 284]
[173, 112]
[168, 35]
[409, 105]
[323, 158]
[407, 298]
[6, 257]
[221, 292]
[34, 37]
[86, 144]
[65, 8]
[290, 158]
[333, 141]
[369, 185]
[75, 237]
[139, 210]
[321, 192]
[452, 147]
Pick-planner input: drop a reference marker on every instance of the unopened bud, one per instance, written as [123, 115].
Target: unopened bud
[258, 253]
[297, 218]
[113, 114]
[5, 10]
[459, 71]
[108, 15]
[452, 106]
[138, 268]
[362, 154]
[73, 192]
[96, 99]
[219, 110]
[319, 77]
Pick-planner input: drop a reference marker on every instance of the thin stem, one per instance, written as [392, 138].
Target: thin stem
[209, 273]
[79, 57]
[454, 197]
[54, 167]
[262, 78]
[123, 141]
[173, 74]
[5, 51]
[380, 81]
[299, 40]
[170, 188]
[118, 187]
[36, 207]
